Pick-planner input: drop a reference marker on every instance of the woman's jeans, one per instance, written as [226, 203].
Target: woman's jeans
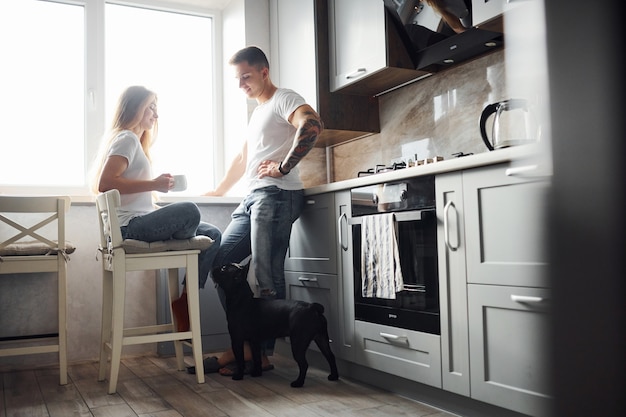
[179, 220]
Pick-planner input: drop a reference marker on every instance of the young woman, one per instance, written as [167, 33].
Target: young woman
[124, 164]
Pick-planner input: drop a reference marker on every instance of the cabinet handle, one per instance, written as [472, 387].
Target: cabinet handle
[446, 232]
[520, 171]
[394, 337]
[310, 202]
[340, 230]
[527, 299]
[356, 73]
[307, 279]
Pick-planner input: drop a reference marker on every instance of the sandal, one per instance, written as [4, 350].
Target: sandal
[210, 365]
[230, 369]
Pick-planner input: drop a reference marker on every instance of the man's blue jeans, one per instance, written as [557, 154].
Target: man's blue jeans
[261, 227]
[180, 220]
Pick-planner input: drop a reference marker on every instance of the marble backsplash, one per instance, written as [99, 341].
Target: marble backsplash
[437, 116]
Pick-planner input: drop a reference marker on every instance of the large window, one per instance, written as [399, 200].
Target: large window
[64, 65]
[42, 84]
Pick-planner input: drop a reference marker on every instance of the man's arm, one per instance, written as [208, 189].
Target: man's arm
[309, 126]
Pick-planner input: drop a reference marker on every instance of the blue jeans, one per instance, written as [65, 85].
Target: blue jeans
[261, 227]
[180, 220]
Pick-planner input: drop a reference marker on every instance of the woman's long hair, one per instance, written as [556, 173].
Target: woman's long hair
[128, 113]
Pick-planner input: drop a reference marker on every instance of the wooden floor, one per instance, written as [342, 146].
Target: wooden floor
[151, 386]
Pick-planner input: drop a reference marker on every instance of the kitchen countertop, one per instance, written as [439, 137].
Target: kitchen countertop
[521, 153]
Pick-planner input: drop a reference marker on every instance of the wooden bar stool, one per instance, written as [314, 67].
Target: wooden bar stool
[32, 240]
[122, 256]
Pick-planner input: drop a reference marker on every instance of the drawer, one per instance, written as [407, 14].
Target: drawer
[405, 353]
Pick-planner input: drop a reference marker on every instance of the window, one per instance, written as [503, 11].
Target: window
[69, 62]
[42, 93]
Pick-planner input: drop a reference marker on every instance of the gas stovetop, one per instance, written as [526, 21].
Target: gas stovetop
[398, 165]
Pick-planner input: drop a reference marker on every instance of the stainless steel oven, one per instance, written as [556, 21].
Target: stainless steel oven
[412, 201]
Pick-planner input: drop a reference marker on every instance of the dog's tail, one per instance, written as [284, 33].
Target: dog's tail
[319, 309]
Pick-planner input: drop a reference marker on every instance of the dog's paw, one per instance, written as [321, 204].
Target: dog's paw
[237, 377]
[333, 377]
[297, 383]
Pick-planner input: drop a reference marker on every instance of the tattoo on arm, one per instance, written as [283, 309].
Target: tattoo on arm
[304, 140]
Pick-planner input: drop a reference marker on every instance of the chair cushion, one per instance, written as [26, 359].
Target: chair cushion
[139, 246]
[32, 247]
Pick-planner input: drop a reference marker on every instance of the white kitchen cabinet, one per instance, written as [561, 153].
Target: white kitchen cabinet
[485, 10]
[367, 55]
[494, 286]
[300, 56]
[509, 331]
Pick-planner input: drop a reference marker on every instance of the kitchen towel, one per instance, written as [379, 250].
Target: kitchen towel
[380, 260]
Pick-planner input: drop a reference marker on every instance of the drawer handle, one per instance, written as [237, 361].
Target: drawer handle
[307, 279]
[356, 73]
[527, 299]
[394, 338]
[520, 171]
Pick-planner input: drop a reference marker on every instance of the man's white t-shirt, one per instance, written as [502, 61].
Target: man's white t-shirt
[127, 145]
[270, 136]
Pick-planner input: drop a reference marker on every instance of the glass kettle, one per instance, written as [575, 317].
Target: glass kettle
[513, 124]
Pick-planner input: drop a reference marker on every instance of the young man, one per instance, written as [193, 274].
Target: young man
[281, 131]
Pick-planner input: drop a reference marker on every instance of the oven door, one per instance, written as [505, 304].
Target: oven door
[417, 306]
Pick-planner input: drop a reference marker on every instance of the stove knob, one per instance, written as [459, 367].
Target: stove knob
[404, 195]
[375, 199]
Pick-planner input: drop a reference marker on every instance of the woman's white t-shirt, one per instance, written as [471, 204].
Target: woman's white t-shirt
[127, 145]
[270, 136]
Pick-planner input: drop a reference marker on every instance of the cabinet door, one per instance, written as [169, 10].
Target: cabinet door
[452, 284]
[411, 355]
[313, 243]
[295, 39]
[509, 347]
[484, 10]
[316, 288]
[357, 40]
[343, 212]
[504, 226]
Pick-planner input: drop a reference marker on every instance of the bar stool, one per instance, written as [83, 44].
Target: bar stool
[122, 256]
[38, 246]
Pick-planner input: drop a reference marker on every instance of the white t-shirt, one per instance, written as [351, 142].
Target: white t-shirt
[270, 137]
[127, 144]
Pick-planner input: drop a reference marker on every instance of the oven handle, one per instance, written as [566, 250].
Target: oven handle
[340, 230]
[446, 230]
[395, 338]
[400, 216]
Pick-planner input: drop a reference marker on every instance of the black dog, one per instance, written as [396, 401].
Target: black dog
[256, 320]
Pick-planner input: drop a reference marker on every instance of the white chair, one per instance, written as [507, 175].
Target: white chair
[122, 256]
[32, 240]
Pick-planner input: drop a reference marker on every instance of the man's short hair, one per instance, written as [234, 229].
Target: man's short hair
[253, 55]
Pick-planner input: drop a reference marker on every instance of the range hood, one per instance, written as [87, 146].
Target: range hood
[433, 43]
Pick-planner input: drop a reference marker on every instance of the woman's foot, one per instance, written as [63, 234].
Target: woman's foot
[181, 313]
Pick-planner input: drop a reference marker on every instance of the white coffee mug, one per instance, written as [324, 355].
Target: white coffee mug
[180, 183]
